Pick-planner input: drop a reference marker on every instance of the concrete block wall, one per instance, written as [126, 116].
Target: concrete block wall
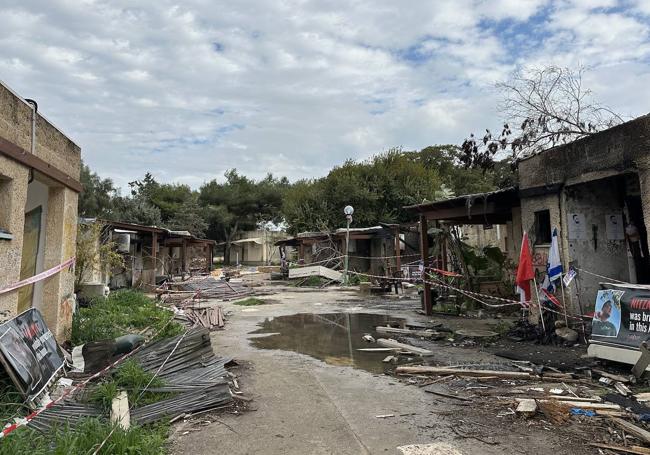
[60, 225]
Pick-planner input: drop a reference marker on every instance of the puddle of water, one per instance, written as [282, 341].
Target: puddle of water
[331, 337]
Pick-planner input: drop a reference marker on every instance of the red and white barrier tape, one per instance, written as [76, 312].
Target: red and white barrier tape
[9, 428]
[41, 276]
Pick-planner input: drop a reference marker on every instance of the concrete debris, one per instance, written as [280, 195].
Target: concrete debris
[527, 407]
[567, 334]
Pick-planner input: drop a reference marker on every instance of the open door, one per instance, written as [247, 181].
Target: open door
[31, 236]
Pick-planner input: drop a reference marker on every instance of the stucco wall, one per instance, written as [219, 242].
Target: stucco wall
[60, 224]
[13, 195]
[596, 253]
[51, 145]
[607, 153]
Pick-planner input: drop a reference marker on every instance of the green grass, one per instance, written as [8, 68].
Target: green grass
[251, 301]
[122, 312]
[85, 438]
[131, 377]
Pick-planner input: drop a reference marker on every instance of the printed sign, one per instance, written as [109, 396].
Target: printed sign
[577, 226]
[29, 352]
[614, 226]
[568, 277]
[622, 315]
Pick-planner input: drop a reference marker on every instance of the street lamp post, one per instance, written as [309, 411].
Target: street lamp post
[348, 210]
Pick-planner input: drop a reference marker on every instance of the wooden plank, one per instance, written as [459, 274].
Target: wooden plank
[527, 407]
[416, 333]
[585, 405]
[120, 410]
[25, 158]
[631, 449]
[632, 429]
[442, 371]
[390, 343]
[613, 377]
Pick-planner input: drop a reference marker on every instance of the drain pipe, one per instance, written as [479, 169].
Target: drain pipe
[34, 105]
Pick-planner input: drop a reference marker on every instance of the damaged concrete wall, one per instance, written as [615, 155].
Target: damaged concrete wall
[596, 253]
[60, 221]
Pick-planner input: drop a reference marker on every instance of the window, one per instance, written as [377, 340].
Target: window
[542, 227]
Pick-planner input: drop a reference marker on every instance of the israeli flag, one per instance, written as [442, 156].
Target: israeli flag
[554, 266]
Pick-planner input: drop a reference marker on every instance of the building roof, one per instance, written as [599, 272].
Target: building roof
[492, 207]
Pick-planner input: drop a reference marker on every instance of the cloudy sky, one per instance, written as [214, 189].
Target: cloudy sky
[189, 89]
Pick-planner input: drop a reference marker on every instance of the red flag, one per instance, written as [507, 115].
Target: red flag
[525, 271]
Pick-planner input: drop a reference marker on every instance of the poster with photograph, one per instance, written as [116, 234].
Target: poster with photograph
[29, 352]
[622, 315]
[577, 226]
[614, 228]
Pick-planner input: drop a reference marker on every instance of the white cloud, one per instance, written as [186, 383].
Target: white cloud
[189, 90]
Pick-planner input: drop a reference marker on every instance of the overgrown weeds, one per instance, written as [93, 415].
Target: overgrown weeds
[120, 313]
[85, 438]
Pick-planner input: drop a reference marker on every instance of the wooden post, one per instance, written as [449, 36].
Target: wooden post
[398, 251]
[427, 305]
[209, 258]
[154, 257]
[184, 257]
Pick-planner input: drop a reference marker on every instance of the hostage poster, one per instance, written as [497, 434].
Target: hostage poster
[29, 352]
[622, 315]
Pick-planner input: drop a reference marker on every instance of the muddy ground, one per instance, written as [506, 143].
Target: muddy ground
[316, 394]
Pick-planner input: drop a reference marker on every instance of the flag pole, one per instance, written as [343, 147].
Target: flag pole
[566, 318]
[539, 302]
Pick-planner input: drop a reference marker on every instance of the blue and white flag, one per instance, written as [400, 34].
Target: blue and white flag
[554, 266]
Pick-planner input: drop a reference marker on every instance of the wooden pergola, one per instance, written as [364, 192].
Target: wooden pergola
[489, 208]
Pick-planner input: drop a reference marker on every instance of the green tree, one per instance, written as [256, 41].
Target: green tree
[95, 199]
[378, 189]
[239, 204]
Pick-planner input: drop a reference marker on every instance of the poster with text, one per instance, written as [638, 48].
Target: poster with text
[29, 352]
[622, 315]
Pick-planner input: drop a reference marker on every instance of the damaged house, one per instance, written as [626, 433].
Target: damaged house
[150, 255]
[39, 186]
[377, 250]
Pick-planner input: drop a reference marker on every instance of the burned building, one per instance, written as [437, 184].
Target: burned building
[596, 192]
[39, 186]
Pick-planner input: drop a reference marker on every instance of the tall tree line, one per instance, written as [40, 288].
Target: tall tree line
[378, 188]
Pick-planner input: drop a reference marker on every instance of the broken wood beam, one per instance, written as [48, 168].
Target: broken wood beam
[443, 371]
[634, 430]
[415, 333]
[613, 377]
[390, 343]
